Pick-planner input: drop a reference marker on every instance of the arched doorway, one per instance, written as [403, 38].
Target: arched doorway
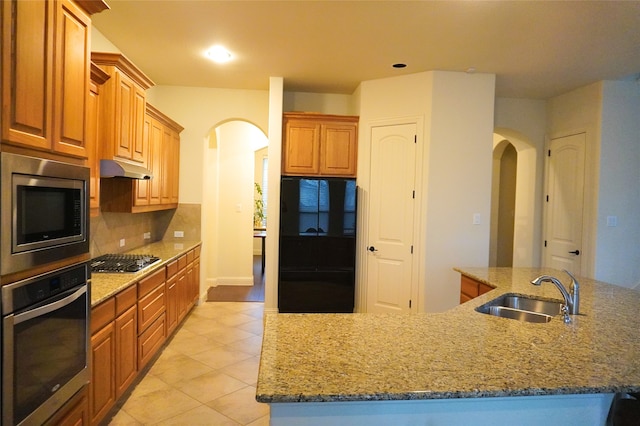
[516, 226]
[228, 201]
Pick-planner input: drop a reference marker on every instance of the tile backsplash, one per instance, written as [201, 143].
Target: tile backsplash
[108, 229]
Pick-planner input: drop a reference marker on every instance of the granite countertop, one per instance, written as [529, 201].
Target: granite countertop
[105, 285]
[460, 353]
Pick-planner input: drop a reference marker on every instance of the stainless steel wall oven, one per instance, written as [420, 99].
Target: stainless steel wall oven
[45, 343]
[44, 212]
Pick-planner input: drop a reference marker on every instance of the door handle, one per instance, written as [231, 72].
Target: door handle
[576, 252]
[372, 249]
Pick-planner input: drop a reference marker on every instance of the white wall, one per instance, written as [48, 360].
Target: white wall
[618, 248]
[459, 182]
[453, 176]
[325, 103]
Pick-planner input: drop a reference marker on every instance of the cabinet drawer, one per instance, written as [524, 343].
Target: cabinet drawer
[182, 262]
[172, 269]
[468, 286]
[197, 252]
[151, 282]
[151, 340]
[103, 314]
[151, 307]
[483, 288]
[126, 299]
[190, 256]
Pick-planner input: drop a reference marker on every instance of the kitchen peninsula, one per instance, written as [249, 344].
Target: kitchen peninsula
[455, 367]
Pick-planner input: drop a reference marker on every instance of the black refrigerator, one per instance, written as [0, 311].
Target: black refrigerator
[316, 271]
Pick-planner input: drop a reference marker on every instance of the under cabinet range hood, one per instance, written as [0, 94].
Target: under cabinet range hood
[115, 168]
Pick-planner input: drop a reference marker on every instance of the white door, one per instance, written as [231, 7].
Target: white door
[565, 203]
[391, 206]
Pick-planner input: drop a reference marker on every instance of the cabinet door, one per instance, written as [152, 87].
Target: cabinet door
[72, 75]
[126, 361]
[138, 144]
[165, 189]
[27, 72]
[172, 304]
[125, 92]
[151, 340]
[301, 148]
[155, 162]
[182, 293]
[338, 151]
[174, 169]
[142, 187]
[102, 394]
[93, 111]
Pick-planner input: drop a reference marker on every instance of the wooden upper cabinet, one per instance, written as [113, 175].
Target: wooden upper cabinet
[161, 137]
[45, 78]
[123, 106]
[98, 77]
[319, 144]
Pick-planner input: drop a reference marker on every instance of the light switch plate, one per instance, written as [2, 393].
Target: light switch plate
[612, 220]
[147, 235]
[476, 218]
[121, 242]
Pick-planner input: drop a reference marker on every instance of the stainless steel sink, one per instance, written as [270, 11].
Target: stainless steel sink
[546, 307]
[522, 308]
[518, 314]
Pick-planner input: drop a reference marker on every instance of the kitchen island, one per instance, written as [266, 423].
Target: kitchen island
[455, 367]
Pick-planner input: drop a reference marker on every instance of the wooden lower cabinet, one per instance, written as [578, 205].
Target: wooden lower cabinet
[128, 329]
[470, 288]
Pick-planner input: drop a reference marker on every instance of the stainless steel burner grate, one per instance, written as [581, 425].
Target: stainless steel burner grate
[115, 263]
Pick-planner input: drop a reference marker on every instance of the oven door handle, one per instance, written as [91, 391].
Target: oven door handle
[42, 310]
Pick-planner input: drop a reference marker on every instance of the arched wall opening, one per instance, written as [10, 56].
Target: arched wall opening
[228, 201]
[524, 204]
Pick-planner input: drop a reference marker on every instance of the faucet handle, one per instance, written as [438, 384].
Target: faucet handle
[565, 313]
[575, 293]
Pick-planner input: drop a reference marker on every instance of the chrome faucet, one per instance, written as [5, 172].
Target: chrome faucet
[571, 301]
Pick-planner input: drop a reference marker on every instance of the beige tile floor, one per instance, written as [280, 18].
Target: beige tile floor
[206, 375]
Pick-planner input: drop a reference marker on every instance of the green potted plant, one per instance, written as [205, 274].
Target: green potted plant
[258, 210]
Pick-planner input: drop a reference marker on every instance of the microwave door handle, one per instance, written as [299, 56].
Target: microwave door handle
[42, 310]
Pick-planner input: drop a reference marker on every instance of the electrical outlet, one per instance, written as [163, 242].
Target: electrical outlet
[612, 220]
[121, 242]
[147, 235]
[178, 234]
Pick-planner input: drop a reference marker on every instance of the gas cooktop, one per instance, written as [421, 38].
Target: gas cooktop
[115, 263]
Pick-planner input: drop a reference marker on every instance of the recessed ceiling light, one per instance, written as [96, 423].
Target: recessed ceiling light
[218, 54]
[399, 65]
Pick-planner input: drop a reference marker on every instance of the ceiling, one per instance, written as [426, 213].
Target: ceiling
[537, 49]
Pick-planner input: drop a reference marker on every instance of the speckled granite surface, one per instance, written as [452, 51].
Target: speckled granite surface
[460, 353]
[104, 285]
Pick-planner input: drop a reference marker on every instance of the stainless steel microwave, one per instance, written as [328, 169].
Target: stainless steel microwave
[44, 212]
